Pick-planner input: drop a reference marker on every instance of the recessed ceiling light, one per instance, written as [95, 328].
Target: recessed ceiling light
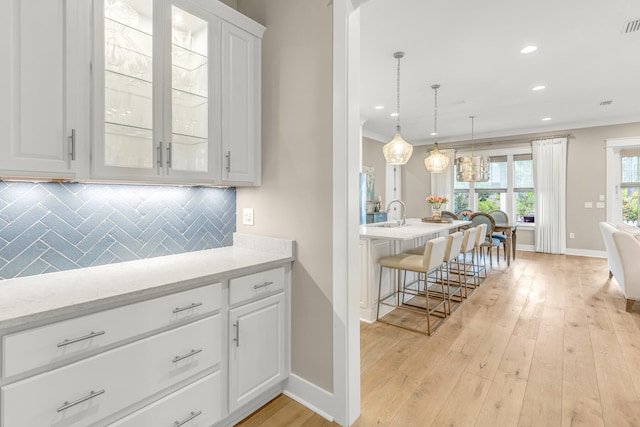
[379, 107]
[529, 49]
[546, 119]
[178, 18]
[434, 133]
[394, 114]
[539, 87]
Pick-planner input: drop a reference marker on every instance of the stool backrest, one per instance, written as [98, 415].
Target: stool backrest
[454, 243]
[469, 239]
[434, 253]
[481, 234]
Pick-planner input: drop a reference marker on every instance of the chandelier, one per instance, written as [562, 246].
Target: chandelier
[436, 162]
[397, 151]
[472, 168]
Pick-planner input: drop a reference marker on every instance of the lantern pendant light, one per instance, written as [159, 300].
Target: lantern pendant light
[472, 168]
[436, 162]
[397, 151]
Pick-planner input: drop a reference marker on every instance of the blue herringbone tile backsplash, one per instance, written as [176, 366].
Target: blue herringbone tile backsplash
[48, 227]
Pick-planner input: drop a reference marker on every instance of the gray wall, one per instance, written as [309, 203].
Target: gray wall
[372, 156]
[295, 199]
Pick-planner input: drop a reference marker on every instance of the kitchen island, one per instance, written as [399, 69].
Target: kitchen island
[388, 238]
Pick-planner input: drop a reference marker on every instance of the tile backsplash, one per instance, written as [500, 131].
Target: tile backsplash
[46, 227]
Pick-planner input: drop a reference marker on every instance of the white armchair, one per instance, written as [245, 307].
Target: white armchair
[623, 254]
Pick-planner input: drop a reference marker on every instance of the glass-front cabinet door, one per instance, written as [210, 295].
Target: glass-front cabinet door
[153, 115]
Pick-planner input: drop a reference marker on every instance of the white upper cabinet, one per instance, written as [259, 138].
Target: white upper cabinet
[241, 86]
[158, 100]
[45, 88]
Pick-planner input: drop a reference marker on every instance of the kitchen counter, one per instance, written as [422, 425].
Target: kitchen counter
[53, 295]
[413, 229]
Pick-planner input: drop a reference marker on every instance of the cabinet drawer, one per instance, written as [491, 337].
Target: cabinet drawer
[257, 284]
[200, 403]
[26, 350]
[87, 391]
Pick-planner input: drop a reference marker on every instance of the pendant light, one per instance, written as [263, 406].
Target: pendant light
[436, 162]
[472, 168]
[397, 151]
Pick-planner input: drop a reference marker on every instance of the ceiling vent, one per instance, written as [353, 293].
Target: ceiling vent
[605, 102]
[631, 26]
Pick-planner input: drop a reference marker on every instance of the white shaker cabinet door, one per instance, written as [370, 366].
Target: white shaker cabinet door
[256, 349]
[241, 86]
[41, 82]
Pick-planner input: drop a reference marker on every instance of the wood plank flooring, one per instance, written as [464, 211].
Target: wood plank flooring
[545, 342]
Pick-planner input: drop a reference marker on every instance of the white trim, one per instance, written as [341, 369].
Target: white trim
[345, 402]
[375, 136]
[304, 392]
[613, 147]
[495, 151]
[526, 248]
[622, 142]
[586, 252]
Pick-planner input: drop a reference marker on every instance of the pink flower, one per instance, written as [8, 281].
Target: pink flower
[437, 200]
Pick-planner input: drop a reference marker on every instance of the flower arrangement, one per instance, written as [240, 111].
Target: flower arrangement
[437, 201]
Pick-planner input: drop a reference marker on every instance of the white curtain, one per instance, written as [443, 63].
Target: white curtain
[550, 187]
[442, 183]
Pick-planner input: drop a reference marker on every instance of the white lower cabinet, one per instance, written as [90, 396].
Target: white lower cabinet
[164, 361]
[197, 404]
[87, 391]
[257, 345]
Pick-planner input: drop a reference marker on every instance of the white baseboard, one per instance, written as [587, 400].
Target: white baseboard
[586, 252]
[526, 248]
[310, 395]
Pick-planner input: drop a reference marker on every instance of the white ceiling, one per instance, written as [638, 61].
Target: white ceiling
[472, 49]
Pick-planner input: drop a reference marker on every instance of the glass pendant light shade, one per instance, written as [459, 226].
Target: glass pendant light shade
[397, 151]
[472, 168]
[436, 162]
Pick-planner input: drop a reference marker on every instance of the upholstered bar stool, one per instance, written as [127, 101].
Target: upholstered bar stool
[467, 251]
[481, 235]
[429, 263]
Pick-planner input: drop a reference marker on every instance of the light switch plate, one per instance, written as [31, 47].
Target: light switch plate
[247, 216]
[600, 205]
[588, 205]
[601, 197]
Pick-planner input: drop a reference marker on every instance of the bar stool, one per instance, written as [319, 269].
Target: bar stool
[468, 248]
[428, 263]
[481, 235]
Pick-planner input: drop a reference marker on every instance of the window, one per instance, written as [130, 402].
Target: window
[510, 187]
[630, 185]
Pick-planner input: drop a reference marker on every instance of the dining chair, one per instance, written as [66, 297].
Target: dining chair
[464, 213]
[429, 264]
[490, 242]
[448, 214]
[500, 217]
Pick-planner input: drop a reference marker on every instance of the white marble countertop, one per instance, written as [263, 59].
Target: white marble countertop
[413, 229]
[35, 298]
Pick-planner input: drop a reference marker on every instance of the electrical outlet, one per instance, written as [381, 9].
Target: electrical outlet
[247, 216]
[572, 235]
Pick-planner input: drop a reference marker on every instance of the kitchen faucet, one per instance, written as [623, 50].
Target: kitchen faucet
[404, 210]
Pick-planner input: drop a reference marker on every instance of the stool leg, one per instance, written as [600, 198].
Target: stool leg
[379, 294]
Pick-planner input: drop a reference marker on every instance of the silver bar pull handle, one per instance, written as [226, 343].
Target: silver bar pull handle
[237, 337]
[169, 156]
[187, 307]
[159, 156]
[191, 416]
[85, 337]
[191, 353]
[264, 285]
[228, 156]
[72, 146]
[91, 395]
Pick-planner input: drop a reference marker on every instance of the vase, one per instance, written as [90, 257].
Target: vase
[436, 213]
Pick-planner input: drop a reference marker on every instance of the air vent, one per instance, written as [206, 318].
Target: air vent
[606, 102]
[631, 26]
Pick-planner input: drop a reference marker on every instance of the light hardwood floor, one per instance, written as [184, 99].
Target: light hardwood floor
[545, 342]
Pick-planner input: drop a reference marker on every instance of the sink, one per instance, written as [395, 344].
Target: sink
[390, 225]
